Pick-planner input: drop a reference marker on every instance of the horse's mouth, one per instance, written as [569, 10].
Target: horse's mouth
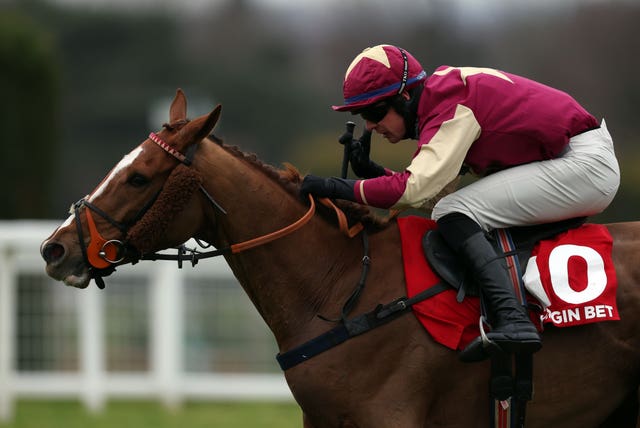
[78, 277]
[78, 281]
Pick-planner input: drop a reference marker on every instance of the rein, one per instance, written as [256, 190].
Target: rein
[192, 255]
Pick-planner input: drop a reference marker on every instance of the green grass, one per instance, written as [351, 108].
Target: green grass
[143, 414]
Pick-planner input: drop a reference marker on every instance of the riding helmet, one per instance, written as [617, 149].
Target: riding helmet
[377, 73]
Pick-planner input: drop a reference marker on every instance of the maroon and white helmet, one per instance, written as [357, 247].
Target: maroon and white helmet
[377, 73]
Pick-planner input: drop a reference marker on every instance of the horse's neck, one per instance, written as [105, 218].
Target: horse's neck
[289, 280]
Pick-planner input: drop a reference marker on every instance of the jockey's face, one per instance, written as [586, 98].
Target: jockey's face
[391, 126]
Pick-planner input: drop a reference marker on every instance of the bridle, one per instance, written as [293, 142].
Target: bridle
[103, 255]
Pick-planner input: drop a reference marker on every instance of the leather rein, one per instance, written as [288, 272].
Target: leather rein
[103, 255]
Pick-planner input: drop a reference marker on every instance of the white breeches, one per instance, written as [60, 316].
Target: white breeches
[582, 182]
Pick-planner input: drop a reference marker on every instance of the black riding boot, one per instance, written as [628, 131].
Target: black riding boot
[511, 329]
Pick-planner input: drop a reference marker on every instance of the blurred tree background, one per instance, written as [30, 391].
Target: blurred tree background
[83, 83]
[28, 84]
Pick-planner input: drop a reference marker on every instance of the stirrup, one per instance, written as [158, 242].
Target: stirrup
[481, 347]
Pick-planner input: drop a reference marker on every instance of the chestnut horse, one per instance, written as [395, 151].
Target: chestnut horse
[393, 376]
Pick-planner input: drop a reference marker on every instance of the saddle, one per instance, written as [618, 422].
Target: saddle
[452, 270]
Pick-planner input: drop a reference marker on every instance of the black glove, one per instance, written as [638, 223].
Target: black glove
[359, 151]
[332, 188]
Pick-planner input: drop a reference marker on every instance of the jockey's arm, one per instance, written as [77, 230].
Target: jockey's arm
[437, 163]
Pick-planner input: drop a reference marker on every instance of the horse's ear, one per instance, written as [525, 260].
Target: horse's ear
[178, 109]
[201, 127]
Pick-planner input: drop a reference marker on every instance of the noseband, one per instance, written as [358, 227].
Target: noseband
[102, 255]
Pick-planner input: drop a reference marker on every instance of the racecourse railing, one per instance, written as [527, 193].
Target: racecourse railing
[156, 332]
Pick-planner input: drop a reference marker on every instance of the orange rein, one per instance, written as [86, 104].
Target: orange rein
[342, 219]
[342, 223]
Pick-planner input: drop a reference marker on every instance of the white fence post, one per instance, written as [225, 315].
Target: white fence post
[7, 316]
[92, 361]
[166, 292]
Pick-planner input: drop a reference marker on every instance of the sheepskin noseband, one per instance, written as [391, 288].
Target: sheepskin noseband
[148, 232]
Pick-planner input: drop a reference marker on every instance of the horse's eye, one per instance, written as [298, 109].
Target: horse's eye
[138, 180]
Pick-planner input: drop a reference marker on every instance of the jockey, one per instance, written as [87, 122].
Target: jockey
[539, 157]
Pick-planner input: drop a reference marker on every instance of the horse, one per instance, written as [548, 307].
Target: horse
[298, 280]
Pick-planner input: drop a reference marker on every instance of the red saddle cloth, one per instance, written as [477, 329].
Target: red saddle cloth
[572, 276]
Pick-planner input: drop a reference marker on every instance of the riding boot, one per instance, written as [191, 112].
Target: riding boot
[511, 329]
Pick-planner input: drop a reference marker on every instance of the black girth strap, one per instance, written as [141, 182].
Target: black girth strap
[355, 326]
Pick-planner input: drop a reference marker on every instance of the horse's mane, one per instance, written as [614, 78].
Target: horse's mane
[290, 179]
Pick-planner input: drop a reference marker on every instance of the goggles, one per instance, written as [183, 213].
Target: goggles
[376, 112]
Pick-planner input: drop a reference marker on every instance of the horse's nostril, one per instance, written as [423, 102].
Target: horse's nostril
[52, 252]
